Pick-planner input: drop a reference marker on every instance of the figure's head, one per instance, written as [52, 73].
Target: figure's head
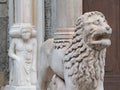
[26, 32]
[94, 29]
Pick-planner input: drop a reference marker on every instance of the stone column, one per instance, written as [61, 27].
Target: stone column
[40, 23]
[67, 12]
[23, 11]
[11, 12]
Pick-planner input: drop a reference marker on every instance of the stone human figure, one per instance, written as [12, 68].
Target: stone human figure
[23, 51]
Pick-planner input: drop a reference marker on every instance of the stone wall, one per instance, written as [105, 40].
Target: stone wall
[3, 42]
[48, 19]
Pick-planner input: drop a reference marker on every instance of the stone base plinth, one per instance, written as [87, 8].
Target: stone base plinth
[8, 87]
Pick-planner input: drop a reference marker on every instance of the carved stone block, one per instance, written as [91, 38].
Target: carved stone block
[20, 88]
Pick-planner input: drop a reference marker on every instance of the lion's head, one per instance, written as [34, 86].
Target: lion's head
[84, 59]
[95, 30]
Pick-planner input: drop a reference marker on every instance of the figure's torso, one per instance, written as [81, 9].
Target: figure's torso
[24, 50]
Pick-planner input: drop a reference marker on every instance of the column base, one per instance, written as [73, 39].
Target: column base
[8, 87]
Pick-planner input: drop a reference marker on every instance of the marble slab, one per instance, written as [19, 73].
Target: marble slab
[8, 87]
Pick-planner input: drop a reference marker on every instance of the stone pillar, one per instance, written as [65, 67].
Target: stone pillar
[23, 11]
[34, 12]
[50, 18]
[11, 12]
[67, 13]
[40, 23]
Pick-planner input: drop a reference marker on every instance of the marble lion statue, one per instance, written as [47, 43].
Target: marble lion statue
[80, 64]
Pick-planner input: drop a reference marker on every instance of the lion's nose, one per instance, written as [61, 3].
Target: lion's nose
[107, 28]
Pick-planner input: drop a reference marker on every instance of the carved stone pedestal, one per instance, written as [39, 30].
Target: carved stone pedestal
[8, 87]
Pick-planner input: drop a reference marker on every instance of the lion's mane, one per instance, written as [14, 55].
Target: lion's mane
[84, 65]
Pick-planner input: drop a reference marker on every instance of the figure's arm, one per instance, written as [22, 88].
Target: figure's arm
[11, 52]
[34, 55]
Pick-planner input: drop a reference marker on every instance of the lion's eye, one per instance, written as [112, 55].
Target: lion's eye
[105, 21]
[97, 22]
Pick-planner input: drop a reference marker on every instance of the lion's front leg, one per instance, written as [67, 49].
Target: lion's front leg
[69, 86]
[69, 83]
[100, 85]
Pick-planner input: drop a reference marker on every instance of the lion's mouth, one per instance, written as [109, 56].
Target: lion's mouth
[101, 36]
[101, 40]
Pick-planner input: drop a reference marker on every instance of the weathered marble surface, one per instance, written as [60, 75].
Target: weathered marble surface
[3, 10]
[3, 42]
[19, 88]
[49, 32]
[81, 63]
[3, 1]
[57, 83]
[67, 12]
[3, 51]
